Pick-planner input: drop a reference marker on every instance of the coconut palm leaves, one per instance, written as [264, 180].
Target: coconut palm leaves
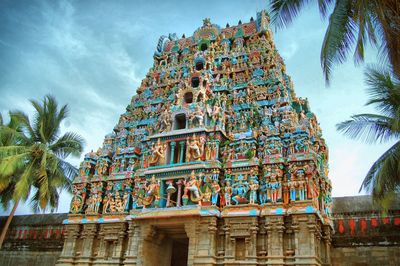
[352, 24]
[35, 157]
[32, 157]
[383, 178]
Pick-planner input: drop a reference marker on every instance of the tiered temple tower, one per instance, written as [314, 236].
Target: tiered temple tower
[215, 162]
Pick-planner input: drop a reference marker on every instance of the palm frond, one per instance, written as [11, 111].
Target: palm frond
[387, 23]
[24, 121]
[68, 169]
[383, 89]
[32, 153]
[12, 165]
[369, 128]
[323, 6]
[68, 144]
[339, 37]
[384, 175]
[7, 195]
[283, 12]
[24, 183]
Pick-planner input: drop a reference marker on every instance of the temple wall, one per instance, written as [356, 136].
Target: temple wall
[362, 237]
[34, 240]
[366, 255]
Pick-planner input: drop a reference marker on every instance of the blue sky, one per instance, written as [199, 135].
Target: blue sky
[92, 56]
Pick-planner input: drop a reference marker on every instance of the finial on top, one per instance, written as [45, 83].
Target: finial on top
[206, 22]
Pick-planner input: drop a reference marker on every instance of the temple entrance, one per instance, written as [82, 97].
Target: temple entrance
[168, 246]
[179, 252]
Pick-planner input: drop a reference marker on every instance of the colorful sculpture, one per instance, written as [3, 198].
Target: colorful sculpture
[214, 122]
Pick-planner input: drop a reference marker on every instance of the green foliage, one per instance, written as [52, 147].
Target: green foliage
[351, 25]
[32, 156]
[383, 178]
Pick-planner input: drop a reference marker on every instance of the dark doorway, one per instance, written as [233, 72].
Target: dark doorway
[240, 249]
[180, 249]
[199, 66]
[188, 97]
[195, 82]
[180, 121]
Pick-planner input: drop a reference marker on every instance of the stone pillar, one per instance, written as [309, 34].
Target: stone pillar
[252, 248]
[228, 243]
[221, 243]
[119, 247]
[179, 197]
[190, 229]
[206, 237]
[262, 252]
[327, 242]
[306, 230]
[274, 226]
[68, 253]
[101, 253]
[131, 253]
[172, 146]
[162, 193]
[181, 151]
[88, 235]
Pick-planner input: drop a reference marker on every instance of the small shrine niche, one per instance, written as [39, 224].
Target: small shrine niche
[180, 121]
[188, 97]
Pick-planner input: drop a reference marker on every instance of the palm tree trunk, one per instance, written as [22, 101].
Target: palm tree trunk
[5, 228]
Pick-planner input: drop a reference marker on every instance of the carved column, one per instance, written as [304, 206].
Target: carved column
[221, 242]
[172, 145]
[228, 243]
[162, 193]
[262, 239]
[121, 233]
[88, 235]
[190, 229]
[133, 244]
[327, 242]
[179, 197]
[307, 238]
[68, 253]
[252, 252]
[181, 151]
[275, 228]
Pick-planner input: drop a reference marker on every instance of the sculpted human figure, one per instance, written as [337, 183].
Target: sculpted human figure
[157, 153]
[292, 189]
[274, 186]
[301, 189]
[228, 192]
[97, 202]
[195, 148]
[253, 187]
[192, 186]
[216, 113]
[119, 207]
[107, 202]
[152, 192]
[215, 192]
[198, 115]
[263, 192]
[240, 189]
[165, 120]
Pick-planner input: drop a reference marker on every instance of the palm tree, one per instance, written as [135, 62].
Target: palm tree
[34, 159]
[351, 24]
[383, 178]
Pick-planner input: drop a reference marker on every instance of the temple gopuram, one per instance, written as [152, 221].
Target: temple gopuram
[215, 161]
